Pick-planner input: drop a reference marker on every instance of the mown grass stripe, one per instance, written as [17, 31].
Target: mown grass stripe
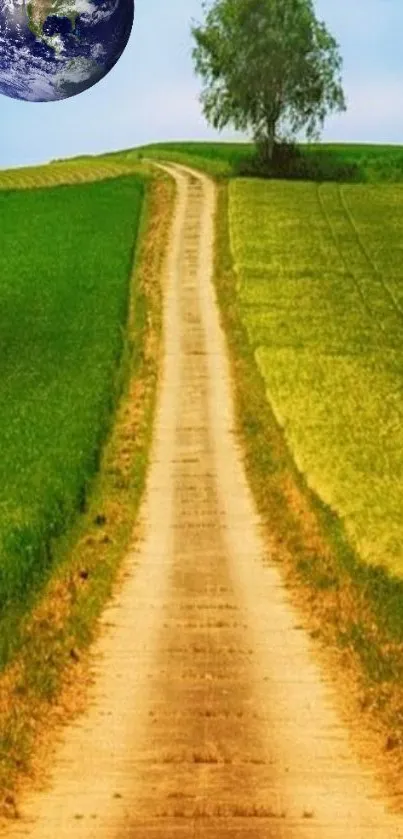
[59, 174]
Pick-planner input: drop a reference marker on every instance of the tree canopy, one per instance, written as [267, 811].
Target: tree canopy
[269, 66]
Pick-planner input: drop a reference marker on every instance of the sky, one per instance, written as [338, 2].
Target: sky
[152, 93]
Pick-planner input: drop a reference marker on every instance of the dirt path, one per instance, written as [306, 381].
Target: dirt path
[208, 716]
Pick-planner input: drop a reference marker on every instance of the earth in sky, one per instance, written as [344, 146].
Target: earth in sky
[54, 49]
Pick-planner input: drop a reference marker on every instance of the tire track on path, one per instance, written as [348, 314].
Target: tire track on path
[208, 715]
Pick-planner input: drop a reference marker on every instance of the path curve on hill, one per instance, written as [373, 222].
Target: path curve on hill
[208, 715]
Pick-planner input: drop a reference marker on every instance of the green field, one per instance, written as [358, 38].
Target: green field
[321, 293]
[364, 163]
[65, 262]
[324, 161]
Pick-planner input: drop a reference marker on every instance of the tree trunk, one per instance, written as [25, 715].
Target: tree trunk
[269, 141]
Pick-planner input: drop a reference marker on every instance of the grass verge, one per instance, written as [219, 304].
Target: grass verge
[355, 609]
[46, 682]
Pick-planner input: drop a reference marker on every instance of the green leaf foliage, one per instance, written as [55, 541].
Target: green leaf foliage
[269, 66]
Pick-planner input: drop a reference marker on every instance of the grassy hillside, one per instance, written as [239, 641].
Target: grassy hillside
[65, 260]
[219, 159]
[352, 162]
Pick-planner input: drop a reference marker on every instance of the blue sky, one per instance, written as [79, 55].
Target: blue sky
[152, 93]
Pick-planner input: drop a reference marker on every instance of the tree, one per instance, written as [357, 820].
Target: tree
[269, 66]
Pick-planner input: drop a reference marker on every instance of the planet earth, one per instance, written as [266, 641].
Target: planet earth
[54, 49]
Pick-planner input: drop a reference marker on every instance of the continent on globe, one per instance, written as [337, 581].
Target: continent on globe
[54, 49]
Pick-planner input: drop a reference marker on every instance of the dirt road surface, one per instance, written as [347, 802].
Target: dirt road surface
[208, 715]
